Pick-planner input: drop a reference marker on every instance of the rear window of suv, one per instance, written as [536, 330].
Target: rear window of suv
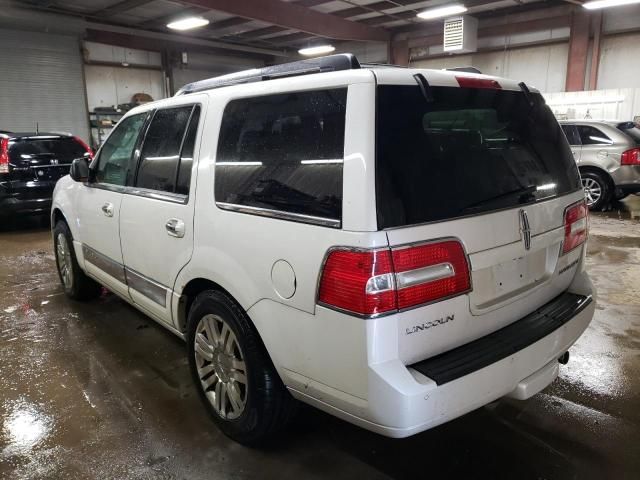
[65, 149]
[465, 152]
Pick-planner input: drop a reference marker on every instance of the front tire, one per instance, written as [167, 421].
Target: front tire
[597, 190]
[233, 373]
[77, 285]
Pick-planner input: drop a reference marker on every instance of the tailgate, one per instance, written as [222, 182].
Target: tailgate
[508, 281]
[43, 158]
[492, 169]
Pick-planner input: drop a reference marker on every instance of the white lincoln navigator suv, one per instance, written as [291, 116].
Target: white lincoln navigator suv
[394, 246]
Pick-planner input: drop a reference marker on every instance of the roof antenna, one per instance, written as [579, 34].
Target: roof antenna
[37, 129]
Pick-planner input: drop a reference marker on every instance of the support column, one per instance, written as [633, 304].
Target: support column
[399, 52]
[595, 51]
[578, 49]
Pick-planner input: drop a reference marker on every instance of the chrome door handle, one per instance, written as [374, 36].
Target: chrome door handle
[175, 227]
[107, 209]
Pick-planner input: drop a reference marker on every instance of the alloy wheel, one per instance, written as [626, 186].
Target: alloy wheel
[221, 366]
[592, 190]
[64, 261]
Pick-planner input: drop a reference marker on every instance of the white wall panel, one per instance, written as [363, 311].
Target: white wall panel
[201, 66]
[113, 85]
[610, 104]
[100, 52]
[544, 66]
[620, 62]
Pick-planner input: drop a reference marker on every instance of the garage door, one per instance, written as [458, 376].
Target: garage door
[41, 81]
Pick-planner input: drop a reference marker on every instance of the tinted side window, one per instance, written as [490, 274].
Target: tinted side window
[593, 136]
[284, 152]
[116, 164]
[161, 150]
[571, 133]
[186, 156]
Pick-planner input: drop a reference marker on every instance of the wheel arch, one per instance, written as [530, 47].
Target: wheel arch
[599, 171]
[190, 291]
[56, 216]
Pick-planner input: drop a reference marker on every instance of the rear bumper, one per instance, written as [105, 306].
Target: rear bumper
[402, 401]
[627, 178]
[25, 198]
[10, 206]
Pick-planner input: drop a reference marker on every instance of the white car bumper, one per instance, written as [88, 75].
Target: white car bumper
[403, 402]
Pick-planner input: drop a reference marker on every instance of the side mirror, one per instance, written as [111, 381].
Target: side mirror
[80, 170]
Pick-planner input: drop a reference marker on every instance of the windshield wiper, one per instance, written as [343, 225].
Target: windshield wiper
[524, 194]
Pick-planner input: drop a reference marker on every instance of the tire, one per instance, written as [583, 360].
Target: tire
[234, 375]
[77, 285]
[597, 190]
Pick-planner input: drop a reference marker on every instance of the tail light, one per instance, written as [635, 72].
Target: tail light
[575, 226]
[371, 282]
[4, 155]
[473, 82]
[631, 157]
[84, 145]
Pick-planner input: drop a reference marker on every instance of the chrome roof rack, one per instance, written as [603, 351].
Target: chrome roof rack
[331, 63]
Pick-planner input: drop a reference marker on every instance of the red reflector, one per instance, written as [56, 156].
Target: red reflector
[84, 145]
[358, 281]
[435, 271]
[631, 157]
[4, 155]
[473, 82]
[378, 281]
[575, 226]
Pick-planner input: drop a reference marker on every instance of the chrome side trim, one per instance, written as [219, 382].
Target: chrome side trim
[142, 192]
[424, 275]
[104, 263]
[294, 217]
[147, 287]
[156, 195]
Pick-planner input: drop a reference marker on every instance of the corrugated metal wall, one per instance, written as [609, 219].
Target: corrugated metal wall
[41, 81]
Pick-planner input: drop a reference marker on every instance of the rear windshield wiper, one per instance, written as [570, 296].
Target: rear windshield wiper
[525, 194]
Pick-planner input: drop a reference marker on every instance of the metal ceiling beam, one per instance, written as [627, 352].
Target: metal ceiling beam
[183, 39]
[296, 17]
[119, 7]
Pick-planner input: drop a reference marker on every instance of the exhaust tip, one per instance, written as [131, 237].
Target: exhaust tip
[564, 358]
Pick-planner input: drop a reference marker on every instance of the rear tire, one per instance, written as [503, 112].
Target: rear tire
[77, 285]
[597, 190]
[233, 373]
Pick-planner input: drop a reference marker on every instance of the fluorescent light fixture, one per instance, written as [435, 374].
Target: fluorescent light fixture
[317, 50]
[594, 5]
[239, 164]
[321, 162]
[188, 23]
[440, 12]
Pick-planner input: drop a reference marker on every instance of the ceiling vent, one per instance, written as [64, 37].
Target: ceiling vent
[460, 34]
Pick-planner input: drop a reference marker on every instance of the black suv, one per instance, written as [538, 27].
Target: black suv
[30, 166]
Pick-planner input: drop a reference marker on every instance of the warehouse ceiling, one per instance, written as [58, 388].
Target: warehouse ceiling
[280, 25]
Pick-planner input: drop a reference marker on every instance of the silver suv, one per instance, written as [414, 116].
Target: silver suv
[608, 157]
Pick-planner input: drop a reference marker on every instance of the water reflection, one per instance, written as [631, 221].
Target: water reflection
[626, 209]
[25, 427]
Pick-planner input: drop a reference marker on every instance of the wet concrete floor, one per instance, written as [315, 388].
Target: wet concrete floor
[97, 390]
